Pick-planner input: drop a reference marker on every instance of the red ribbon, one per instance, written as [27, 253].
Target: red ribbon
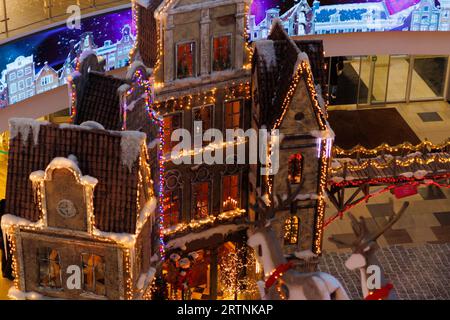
[277, 273]
[381, 293]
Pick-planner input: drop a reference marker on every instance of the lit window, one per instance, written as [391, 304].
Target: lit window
[27, 70]
[19, 73]
[171, 123]
[93, 273]
[221, 53]
[185, 60]
[204, 115]
[200, 197]
[230, 192]
[233, 114]
[291, 230]
[295, 168]
[172, 207]
[49, 268]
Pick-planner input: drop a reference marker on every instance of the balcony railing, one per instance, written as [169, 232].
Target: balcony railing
[18, 16]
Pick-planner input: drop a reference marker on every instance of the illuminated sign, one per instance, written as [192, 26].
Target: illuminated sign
[42, 61]
[302, 17]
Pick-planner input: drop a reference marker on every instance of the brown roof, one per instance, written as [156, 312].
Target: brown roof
[98, 100]
[315, 52]
[99, 155]
[147, 41]
[275, 61]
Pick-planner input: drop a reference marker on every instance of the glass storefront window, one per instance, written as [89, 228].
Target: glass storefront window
[398, 78]
[428, 77]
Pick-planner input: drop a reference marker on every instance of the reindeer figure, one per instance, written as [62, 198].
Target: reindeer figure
[365, 246]
[288, 283]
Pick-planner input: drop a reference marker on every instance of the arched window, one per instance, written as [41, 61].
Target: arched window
[295, 168]
[291, 230]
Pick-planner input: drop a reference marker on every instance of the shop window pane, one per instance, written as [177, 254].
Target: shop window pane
[171, 123]
[344, 79]
[204, 115]
[398, 78]
[221, 53]
[380, 78]
[185, 60]
[172, 207]
[93, 273]
[230, 192]
[233, 114]
[49, 268]
[200, 197]
[428, 77]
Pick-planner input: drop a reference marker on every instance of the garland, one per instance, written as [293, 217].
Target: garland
[278, 272]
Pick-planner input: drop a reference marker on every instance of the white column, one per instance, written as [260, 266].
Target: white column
[169, 50]
[205, 44]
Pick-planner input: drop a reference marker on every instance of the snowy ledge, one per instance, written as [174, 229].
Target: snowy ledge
[223, 229]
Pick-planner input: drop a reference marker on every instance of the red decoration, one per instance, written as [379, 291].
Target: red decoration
[381, 293]
[278, 272]
[405, 191]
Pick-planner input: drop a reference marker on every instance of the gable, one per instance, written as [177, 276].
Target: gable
[301, 103]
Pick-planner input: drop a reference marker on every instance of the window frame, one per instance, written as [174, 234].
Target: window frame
[193, 206]
[238, 174]
[194, 64]
[48, 261]
[290, 220]
[180, 207]
[94, 281]
[212, 106]
[241, 117]
[230, 35]
[181, 113]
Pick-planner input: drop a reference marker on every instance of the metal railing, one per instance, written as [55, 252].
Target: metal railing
[18, 15]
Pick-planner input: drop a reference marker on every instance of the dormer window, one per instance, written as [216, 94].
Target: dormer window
[221, 53]
[185, 56]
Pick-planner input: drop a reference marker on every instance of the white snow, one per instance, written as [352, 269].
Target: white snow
[61, 162]
[407, 174]
[349, 178]
[223, 229]
[305, 254]
[37, 175]
[24, 126]
[133, 67]
[148, 211]
[130, 145]
[92, 125]
[266, 50]
[16, 294]
[9, 220]
[125, 239]
[123, 88]
[320, 97]
[266, 199]
[146, 278]
[420, 174]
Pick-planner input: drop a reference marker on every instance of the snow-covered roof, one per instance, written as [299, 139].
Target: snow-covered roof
[20, 62]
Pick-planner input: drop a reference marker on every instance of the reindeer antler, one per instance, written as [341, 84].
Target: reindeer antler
[361, 231]
[279, 204]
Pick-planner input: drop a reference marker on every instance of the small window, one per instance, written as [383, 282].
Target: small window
[29, 82]
[221, 53]
[27, 70]
[13, 88]
[171, 123]
[233, 114]
[93, 273]
[21, 85]
[185, 60]
[295, 168]
[230, 192]
[49, 268]
[204, 115]
[200, 197]
[291, 230]
[19, 73]
[172, 207]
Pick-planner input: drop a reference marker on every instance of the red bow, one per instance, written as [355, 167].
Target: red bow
[381, 293]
